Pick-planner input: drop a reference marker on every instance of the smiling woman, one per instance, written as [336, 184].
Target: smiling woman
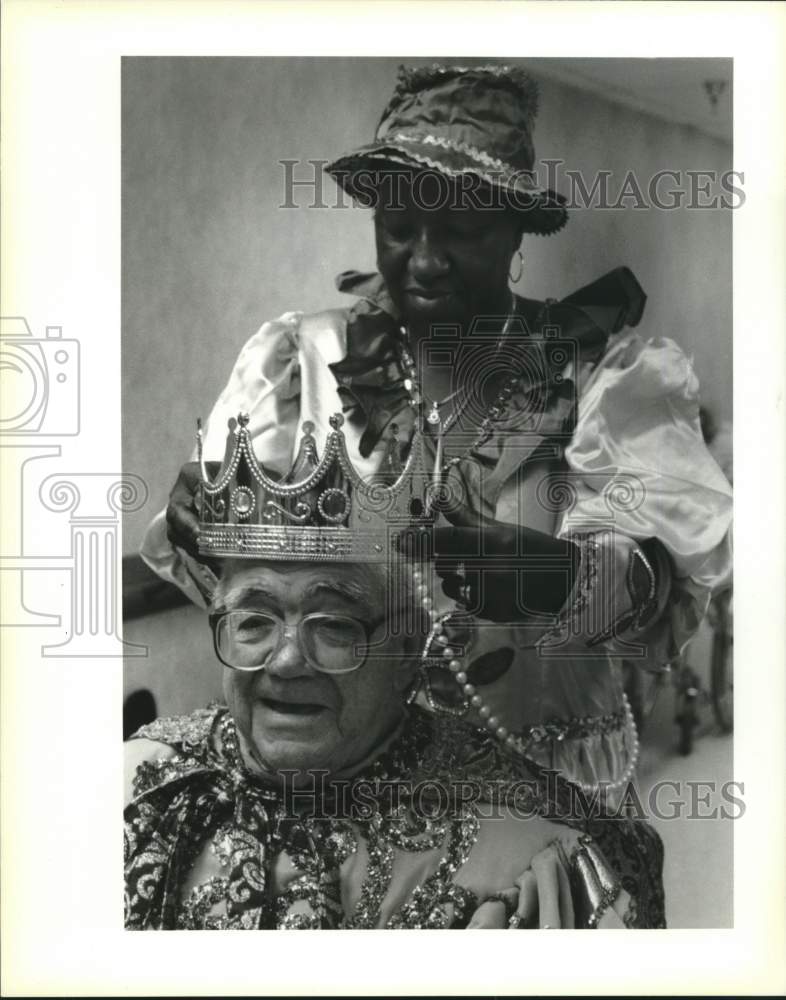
[442, 256]
[319, 799]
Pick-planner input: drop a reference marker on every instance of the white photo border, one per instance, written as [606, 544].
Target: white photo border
[61, 719]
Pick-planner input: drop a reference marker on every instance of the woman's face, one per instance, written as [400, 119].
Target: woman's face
[444, 255]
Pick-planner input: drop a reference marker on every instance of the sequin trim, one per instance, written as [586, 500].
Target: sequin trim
[635, 619]
[579, 728]
[569, 621]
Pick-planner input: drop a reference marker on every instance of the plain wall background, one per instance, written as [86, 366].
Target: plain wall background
[208, 255]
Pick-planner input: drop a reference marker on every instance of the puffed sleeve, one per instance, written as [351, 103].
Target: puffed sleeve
[650, 507]
[280, 379]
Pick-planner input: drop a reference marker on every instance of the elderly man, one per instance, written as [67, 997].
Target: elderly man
[320, 798]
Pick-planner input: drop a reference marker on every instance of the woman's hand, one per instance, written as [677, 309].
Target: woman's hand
[497, 571]
[541, 897]
[561, 882]
[182, 519]
[503, 572]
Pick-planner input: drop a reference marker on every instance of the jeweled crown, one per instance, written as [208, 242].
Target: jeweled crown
[321, 510]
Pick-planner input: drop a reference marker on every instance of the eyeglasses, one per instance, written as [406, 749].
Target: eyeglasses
[249, 640]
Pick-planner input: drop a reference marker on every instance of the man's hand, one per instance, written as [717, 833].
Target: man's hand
[182, 519]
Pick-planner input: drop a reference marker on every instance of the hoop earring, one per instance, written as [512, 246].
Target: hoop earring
[521, 268]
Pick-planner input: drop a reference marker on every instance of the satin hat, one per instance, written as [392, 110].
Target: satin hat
[460, 121]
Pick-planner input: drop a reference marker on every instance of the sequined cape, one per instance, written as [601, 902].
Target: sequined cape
[198, 800]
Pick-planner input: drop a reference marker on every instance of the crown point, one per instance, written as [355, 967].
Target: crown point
[243, 419]
[336, 421]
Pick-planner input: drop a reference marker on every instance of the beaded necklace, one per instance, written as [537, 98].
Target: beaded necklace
[419, 574]
[472, 699]
[434, 419]
[441, 467]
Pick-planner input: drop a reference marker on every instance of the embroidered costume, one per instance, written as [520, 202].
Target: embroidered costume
[209, 845]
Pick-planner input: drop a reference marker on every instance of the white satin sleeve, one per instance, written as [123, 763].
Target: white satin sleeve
[280, 379]
[639, 470]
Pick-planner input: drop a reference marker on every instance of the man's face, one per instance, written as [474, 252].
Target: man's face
[447, 263]
[289, 714]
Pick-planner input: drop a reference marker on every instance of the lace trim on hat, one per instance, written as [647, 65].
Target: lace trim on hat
[456, 146]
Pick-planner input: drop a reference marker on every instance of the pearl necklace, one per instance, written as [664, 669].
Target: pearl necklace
[420, 587]
[454, 665]
[492, 722]
[434, 419]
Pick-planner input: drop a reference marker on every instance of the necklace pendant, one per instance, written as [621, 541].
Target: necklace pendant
[433, 417]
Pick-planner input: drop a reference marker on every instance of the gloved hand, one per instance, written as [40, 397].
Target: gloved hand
[182, 517]
[508, 573]
[502, 572]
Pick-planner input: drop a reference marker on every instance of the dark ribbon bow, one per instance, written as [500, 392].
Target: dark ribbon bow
[371, 377]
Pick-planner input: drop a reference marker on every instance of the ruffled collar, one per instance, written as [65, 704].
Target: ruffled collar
[368, 285]
[371, 376]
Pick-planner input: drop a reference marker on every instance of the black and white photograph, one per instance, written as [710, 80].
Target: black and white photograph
[371, 460]
[461, 355]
